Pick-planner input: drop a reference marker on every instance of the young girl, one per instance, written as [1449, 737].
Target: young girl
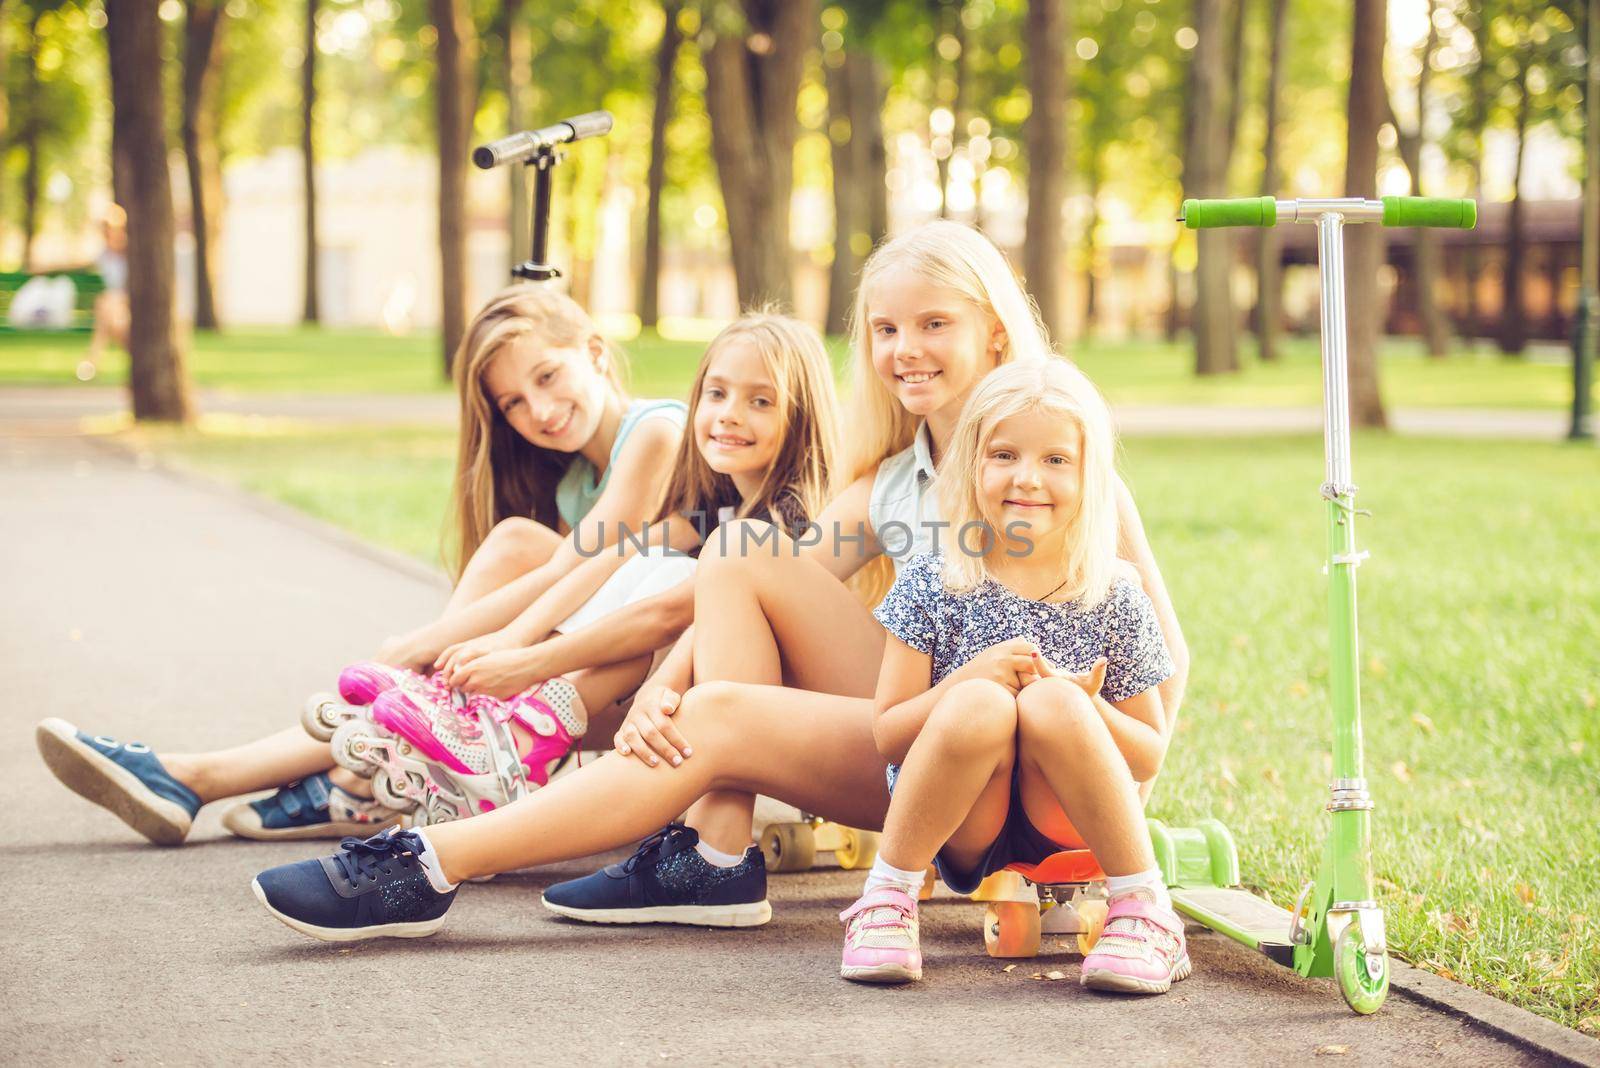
[938, 307]
[551, 450]
[1017, 699]
[763, 431]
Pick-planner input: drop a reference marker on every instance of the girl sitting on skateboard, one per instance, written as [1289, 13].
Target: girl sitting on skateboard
[1017, 703]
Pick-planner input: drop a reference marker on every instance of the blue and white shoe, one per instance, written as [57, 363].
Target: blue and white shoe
[376, 888]
[310, 808]
[125, 778]
[666, 881]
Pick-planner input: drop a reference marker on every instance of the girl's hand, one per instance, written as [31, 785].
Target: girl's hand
[457, 656]
[1010, 663]
[1090, 680]
[503, 674]
[648, 733]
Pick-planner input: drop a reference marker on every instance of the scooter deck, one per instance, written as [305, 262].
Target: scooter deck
[1238, 914]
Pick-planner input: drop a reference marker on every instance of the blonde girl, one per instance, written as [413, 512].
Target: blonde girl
[784, 655]
[551, 449]
[1017, 701]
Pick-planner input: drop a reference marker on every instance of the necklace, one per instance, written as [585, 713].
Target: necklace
[1055, 591]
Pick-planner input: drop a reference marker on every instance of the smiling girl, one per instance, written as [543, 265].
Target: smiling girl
[551, 450]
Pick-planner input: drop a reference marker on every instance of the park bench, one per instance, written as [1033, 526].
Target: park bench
[87, 283]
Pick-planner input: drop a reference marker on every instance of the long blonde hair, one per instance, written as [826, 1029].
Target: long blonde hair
[800, 481]
[955, 256]
[1059, 389]
[499, 473]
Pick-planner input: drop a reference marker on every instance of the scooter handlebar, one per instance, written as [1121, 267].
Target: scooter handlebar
[1430, 211]
[1235, 211]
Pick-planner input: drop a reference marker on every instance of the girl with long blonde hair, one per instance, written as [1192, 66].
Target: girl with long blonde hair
[784, 656]
[1017, 702]
[552, 449]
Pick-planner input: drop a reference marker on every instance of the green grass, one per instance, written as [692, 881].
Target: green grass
[1480, 652]
[1131, 372]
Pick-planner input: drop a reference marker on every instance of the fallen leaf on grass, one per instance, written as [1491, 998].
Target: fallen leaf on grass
[1525, 892]
[1272, 776]
[1009, 968]
[1589, 700]
[1424, 724]
[1377, 667]
[1576, 745]
[1332, 1051]
[1400, 771]
[1299, 688]
[1050, 976]
[1225, 770]
[1590, 1025]
[1448, 922]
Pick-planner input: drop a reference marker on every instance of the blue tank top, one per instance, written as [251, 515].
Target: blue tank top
[578, 489]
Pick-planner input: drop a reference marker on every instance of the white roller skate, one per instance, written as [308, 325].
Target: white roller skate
[360, 684]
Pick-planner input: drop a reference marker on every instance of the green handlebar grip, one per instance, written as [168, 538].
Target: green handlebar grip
[1430, 211]
[1238, 211]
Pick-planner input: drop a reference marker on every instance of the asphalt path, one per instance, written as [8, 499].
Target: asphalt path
[152, 607]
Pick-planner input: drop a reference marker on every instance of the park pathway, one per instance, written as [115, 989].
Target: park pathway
[62, 407]
[148, 606]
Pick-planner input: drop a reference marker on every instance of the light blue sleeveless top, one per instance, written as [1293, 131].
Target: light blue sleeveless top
[578, 489]
[902, 504]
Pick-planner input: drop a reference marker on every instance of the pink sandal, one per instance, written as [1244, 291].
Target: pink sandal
[1140, 951]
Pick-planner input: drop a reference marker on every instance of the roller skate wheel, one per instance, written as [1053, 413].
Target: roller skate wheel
[1092, 916]
[350, 744]
[322, 716]
[858, 850]
[384, 792]
[1011, 929]
[789, 846]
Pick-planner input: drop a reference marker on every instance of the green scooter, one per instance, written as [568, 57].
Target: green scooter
[1336, 928]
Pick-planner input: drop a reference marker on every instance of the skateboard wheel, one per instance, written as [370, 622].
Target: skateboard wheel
[1011, 929]
[858, 850]
[789, 846]
[1092, 914]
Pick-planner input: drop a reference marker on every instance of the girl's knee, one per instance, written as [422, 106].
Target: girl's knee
[744, 545]
[517, 538]
[1056, 708]
[976, 714]
[710, 707]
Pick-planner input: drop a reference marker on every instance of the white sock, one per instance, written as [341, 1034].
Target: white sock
[716, 857]
[885, 874]
[1150, 882]
[430, 864]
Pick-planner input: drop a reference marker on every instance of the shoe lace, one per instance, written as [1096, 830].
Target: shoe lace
[651, 846]
[365, 857]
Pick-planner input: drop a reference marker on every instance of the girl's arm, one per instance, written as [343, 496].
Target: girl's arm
[630, 495]
[1137, 725]
[1134, 546]
[570, 593]
[904, 700]
[847, 542]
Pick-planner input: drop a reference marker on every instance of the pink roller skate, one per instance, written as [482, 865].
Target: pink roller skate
[359, 685]
[453, 757]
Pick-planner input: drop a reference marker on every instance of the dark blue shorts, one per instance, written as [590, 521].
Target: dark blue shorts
[1019, 842]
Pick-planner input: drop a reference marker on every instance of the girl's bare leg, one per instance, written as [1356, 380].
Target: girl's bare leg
[1075, 784]
[513, 548]
[954, 789]
[776, 619]
[259, 765]
[811, 750]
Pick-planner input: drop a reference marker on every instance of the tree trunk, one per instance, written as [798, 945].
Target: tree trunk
[5, 102]
[519, 78]
[1091, 310]
[308, 161]
[202, 22]
[156, 377]
[1513, 327]
[1425, 241]
[454, 104]
[752, 82]
[1269, 245]
[30, 148]
[1364, 243]
[869, 92]
[1044, 244]
[860, 198]
[650, 274]
[1206, 175]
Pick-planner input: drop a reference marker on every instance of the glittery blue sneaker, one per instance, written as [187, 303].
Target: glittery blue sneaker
[666, 881]
[372, 888]
[125, 778]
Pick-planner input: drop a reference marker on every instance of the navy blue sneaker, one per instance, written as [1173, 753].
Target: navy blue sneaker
[374, 888]
[310, 808]
[666, 881]
[125, 778]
